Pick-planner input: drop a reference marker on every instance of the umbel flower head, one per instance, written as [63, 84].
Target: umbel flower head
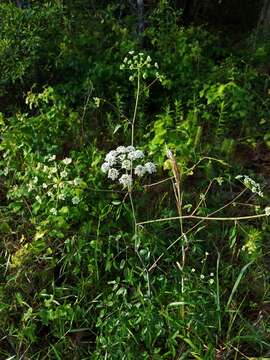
[121, 164]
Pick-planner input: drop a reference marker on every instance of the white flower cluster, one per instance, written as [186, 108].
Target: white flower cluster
[139, 61]
[119, 165]
[250, 184]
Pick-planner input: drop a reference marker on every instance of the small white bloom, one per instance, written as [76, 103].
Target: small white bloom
[53, 211]
[126, 164]
[105, 167]
[126, 180]
[212, 274]
[97, 101]
[121, 149]
[193, 270]
[50, 194]
[52, 158]
[267, 210]
[62, 197]
[202, 276]
[131, 52]
[75, 200]
[137, 154]
[6, 171]
[111, 157]
[63, 173]
[113, 174]
[156, 65]
[130, 148]
[139, 170]
[122, 157]
[53, 170]
[67, 161]
[38, 199]
[211, 281]
[77, 181]
[30, 187]
[35, 180]
[148, 59]
[44, 185]
[150, 167]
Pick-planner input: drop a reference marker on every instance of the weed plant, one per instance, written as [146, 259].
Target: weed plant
[159, 249]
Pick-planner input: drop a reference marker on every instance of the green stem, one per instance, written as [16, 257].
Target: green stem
[136, 107]
[204, 218]
[133, 211]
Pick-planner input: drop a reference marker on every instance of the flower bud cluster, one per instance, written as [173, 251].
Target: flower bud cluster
[140, 61]
[250, 184]
[119, 165]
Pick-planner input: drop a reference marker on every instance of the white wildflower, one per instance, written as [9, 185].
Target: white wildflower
[267, 210]
[130, 148]
[35, 180]
[38, 199]
[139, 170]
[6, 171]
[62, 197]
[150, 167]
[77, 181]
[97, 101]
[113, 174]
[250, 184]
[53, 170]
[211, 281]
[111, 157]
[137, 154]
[126, 180]
[30, 187]
[67, 161]
[126, 164]
[105, 167]
[63, 174]
[52, 157]
[202, 276]
[53, 211]
[121, 157]
[44, 185]
[75, 200]
[50, 194]
[121, 149]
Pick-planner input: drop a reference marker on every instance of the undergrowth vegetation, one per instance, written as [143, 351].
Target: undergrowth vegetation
[134, 177]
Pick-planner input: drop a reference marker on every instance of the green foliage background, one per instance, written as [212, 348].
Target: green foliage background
[72, 284]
